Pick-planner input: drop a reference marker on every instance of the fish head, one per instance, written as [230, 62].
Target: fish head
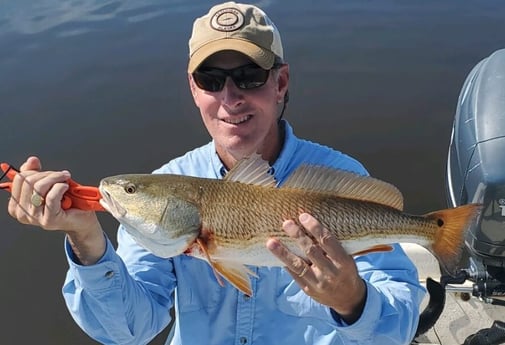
[157, 210]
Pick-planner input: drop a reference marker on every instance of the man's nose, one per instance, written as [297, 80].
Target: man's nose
[231, 94]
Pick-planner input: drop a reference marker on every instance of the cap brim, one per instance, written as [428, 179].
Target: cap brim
[262, 57]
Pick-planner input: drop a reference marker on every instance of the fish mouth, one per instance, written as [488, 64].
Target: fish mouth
[111, 205]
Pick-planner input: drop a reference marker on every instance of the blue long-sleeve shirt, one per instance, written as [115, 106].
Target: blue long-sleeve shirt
[126, 296]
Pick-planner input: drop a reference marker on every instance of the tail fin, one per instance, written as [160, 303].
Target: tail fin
[453, 223]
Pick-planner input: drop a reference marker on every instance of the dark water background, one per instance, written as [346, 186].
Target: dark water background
[99, 88]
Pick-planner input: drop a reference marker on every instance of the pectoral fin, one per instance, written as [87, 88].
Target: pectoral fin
[236, 274]
[203, 248]
[374, 249]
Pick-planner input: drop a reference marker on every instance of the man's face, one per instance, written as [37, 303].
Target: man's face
[242, 121]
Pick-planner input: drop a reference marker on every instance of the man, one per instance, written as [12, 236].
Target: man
[239, 82]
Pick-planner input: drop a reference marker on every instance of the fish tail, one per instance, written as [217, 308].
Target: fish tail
[448, 240]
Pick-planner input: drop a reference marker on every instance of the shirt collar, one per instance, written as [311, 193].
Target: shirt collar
[218, 167]
[280, 165]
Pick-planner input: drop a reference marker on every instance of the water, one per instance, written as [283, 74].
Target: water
[99, 88]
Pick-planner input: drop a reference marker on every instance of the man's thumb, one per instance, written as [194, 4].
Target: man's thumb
[32, 163]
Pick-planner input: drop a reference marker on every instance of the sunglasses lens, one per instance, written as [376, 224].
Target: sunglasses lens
[209, 81]
[249, 77]
[244, 77]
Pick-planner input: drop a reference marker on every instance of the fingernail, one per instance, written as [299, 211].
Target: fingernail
[287, 222]
[304, 217]
[272, 244]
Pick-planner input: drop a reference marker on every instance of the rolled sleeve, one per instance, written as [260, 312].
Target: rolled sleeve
[115, 306]
[391, 311]
[100, 276]
[371, 313]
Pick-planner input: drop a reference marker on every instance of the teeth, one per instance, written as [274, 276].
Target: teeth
[236, 121]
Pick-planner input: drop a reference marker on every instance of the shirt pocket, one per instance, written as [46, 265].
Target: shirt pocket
[287, 292]
[197, 286]
[291, 300]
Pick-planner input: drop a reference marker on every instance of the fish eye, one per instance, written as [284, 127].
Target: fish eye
[130, 188]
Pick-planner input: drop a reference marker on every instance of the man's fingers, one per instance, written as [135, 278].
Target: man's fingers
[283, 254]
[311, 249]
[43, 183]
[294, 264]
[328, 242]
[52, 206]
[29, 183]
[296, 232]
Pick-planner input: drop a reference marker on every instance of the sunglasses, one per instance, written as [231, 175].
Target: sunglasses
[245, 77]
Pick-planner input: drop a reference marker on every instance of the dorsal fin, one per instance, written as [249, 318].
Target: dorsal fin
[252, 170]
[345, 184]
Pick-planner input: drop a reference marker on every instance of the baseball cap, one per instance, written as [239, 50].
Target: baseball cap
[232, 26]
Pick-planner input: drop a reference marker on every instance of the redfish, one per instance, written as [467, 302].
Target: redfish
[228, 222]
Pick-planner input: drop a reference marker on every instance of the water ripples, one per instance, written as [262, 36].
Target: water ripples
[70, 18]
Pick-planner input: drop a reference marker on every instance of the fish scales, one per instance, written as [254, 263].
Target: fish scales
[238, 213]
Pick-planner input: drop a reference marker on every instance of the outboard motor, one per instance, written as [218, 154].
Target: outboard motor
[476, 174]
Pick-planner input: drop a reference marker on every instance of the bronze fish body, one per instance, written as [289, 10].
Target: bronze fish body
[228, 222]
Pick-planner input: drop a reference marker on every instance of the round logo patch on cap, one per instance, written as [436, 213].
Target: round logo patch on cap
[227, 19]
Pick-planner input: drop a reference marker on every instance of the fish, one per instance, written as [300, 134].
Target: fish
[228, 221]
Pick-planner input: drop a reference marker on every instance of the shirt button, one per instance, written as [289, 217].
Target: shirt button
[243, 340]
[247, 297]
[109, 274]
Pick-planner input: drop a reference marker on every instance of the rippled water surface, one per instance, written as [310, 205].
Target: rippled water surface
[99, 88]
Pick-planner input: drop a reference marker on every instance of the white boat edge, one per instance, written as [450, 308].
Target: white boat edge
[460, 318]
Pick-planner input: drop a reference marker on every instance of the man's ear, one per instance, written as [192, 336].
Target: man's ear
[282, 83]
[193, 88]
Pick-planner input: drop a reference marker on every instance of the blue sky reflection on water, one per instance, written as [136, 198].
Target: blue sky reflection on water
[99, 88]
[32, 17]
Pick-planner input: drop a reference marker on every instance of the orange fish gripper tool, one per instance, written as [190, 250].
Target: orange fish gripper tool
[85, 198]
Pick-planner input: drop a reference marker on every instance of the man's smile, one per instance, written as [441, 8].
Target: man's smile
[237, 120]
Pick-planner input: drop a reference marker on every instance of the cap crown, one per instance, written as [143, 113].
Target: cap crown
[232, 26]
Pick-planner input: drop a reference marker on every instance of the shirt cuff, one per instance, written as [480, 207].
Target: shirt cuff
[102, 275]
[371, 313]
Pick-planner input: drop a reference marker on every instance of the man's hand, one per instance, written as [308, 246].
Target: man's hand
[328, 274]
[36, 200]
